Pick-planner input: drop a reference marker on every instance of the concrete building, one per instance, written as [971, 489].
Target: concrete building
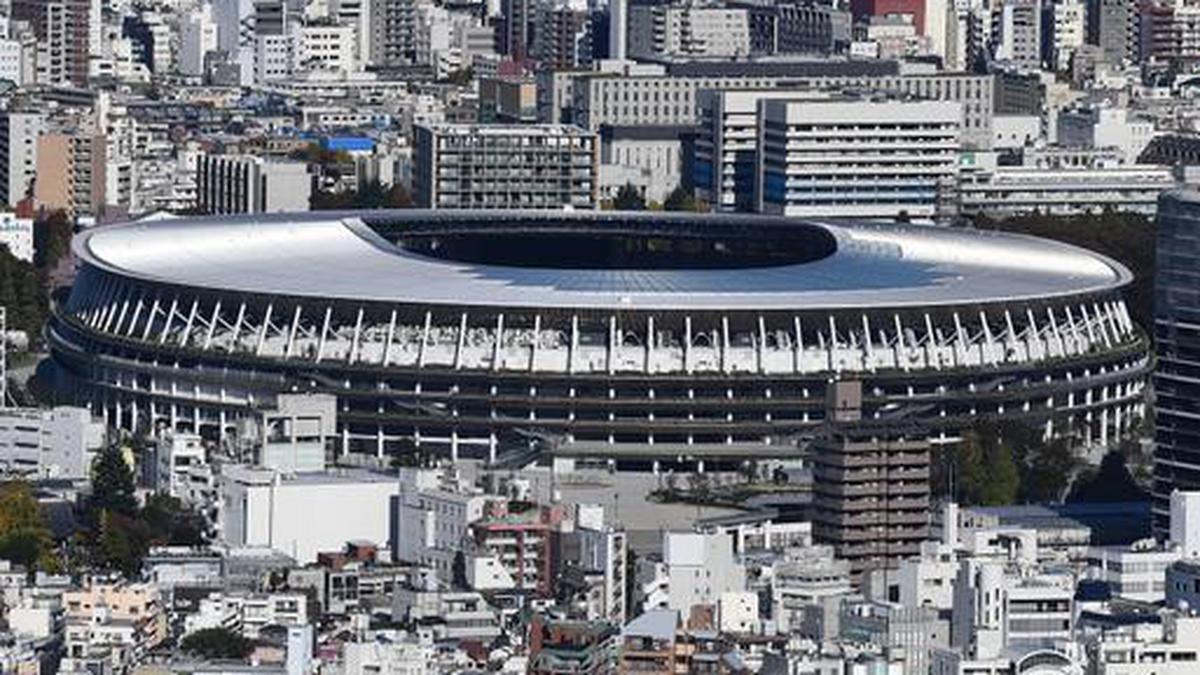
[689, 31]
[828, 160]
[1118, 30]
[304, 514]
[1137, 572]
[998, 609]
[460, 615]
[700, 569]
[796, 28]
[903, 633]
[1062, 190]
[1067, 22]
[248, 184]
[295, 435]
[1185, 522]
[1017, 33]
[1171, 647]
[111, 627]
[1105, 127]
[19, 132]
[505, 167]
[562, 37]
[72, 169]
[871, 487]
[56, 443]
[64, 32]
[433, 519]
[180, 457]
[649, 158]
[16, 234]
[648, 645]
[198, 39]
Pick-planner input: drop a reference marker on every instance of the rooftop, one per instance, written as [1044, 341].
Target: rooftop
[843, 265]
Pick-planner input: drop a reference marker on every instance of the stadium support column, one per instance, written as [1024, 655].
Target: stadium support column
[533, 348]
[460, 342]
[648, 367]
[357, 341]
[762, 344]
[324, 333]
[212, 327]
[1073, 326]
[121, 314]
[687, 344]
[137, 313]
[187, 327]
[798, 346]
[386, 359]
[574, 348]
[236, 333]
[611, 359]
[499, 340]
[900, 344]
[1062, 346]
[421, 349]
[725, 364]
[931, 346]
[989, 344]
[868, 351]
[1011, 335]
[262, 333]
[291, 340]
[960, 342]
[833, 344]
[379, 442]
[162, 337]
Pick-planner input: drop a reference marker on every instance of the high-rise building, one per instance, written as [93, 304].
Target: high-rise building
[1117, 28]
[1067, 20]
[19, 133]
[515, 32]
[562, 38]
[1177, 340]
[197, 37]
[870, 484]
[72, 172]
[505, 167]
[1017, 33]
[393, 35]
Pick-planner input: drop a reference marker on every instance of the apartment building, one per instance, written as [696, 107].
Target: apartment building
[228, 184]
[19, 133]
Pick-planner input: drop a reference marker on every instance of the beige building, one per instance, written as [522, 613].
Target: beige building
[71, 173]
[111, 625]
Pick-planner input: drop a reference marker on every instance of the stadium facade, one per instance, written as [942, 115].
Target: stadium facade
[642, 339]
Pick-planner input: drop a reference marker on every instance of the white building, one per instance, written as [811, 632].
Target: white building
[1105, 127]
[460, 615]
[805, 577]
[16, 234]
[829, 161]
[700, 568]
[433, 519]
[56, 443]
[182, 469]
[1137, 572]
[327, 48]
[1069, 23]
[304, 514]
[1063, 190]
[198, 39]
[247, 613]
[247, 184]
[390, 653]
[1185, 522]
[1168, 648]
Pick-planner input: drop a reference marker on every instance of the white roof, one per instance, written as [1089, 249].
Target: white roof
[334, 255]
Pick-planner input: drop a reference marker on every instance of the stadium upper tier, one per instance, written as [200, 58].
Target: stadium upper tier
[597, 261]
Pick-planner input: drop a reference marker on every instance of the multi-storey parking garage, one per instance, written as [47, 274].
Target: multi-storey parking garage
[643, 338]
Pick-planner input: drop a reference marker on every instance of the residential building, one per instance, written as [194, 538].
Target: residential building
[700, 567]
[1171, 647]
[16, 234]
[648, 644]
[1137, 572]
[505, 167]
[454, 615]
[111, 626]
[690, 31]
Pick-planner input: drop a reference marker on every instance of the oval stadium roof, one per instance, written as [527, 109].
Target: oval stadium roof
[335, 255]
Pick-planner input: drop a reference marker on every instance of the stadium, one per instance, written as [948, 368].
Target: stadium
[635, 340]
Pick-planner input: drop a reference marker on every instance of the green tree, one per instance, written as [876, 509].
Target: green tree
[970, 475]
[681, 199]
[629, 199]
[112, 483]
[1003, 479]
[217, 643]
[1111, 482]
[52, 239]
[121, 544]
[25, 537]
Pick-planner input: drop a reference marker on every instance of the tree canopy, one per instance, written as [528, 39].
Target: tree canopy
[1111, 482]
[217, 643]
[25, 537]
[629, 199]
[370, 195]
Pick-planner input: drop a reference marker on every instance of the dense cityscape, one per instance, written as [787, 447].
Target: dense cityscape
[604, 337]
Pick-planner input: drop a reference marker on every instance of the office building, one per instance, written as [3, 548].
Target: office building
[56, 443]
[505, 167]
[248, 184]
[687, 31]
[825, 158]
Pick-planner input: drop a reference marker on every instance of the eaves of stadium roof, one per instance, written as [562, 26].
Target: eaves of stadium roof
[336, 256]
